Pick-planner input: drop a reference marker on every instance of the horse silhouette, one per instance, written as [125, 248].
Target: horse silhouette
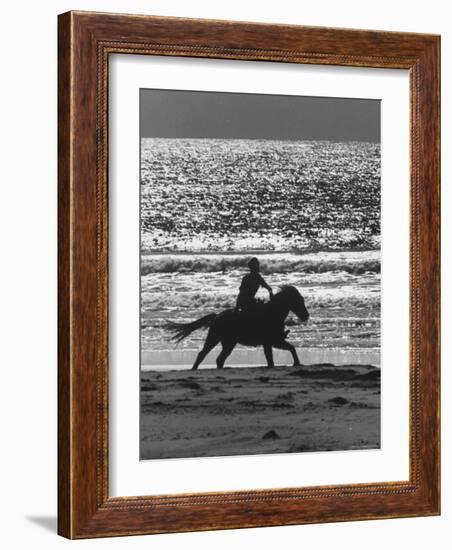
[264, 326]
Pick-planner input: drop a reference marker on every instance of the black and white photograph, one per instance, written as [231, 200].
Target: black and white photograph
[259, 274]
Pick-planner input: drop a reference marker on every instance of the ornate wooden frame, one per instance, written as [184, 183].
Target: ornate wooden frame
[85, 42]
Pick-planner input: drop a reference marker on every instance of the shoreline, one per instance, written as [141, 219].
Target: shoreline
[182, 359]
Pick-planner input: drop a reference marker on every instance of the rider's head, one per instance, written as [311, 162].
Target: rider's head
[253, 264]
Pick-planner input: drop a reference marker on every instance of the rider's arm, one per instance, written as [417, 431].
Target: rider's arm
[266, 286]
[242, 284]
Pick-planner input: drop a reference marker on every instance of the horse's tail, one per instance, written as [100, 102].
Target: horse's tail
[182, 330]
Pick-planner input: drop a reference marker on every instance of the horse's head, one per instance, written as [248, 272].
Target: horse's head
[295, 301]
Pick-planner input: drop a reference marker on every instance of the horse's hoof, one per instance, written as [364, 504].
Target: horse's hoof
[296, 365]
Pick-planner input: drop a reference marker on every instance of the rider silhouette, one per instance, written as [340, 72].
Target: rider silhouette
[249, 286]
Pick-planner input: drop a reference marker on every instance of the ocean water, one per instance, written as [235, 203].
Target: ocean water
[240, 195]
[309, 210]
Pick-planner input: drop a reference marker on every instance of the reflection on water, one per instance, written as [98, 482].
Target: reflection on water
[183, 359]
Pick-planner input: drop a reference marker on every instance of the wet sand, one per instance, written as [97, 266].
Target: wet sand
[257, 410]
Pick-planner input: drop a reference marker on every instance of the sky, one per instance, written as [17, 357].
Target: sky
[194, 114]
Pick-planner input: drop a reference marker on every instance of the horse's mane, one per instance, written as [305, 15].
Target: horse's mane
[286, 292]
[286, 289]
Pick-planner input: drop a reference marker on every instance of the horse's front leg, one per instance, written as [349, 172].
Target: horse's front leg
[268, 350]
[289, 347]
[296, 360]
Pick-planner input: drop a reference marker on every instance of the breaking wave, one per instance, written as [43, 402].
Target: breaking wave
[309, 263]
[202, 303]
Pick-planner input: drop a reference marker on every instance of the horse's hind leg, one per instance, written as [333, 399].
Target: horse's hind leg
[269, 355]
[225, 353]
[209, 344]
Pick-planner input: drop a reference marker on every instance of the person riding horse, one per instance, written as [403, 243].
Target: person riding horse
[251, 282]
[250, 323]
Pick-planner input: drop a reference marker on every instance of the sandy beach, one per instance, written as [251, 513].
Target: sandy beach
[256, 410]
